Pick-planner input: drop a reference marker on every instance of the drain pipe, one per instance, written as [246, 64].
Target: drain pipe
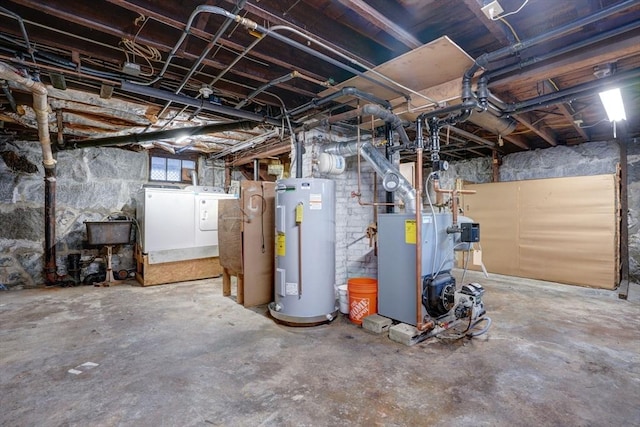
[483, 60]
[161, 134]
[394, 121]
[41, 108]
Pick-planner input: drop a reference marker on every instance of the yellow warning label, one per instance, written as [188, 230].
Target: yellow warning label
[299, 211]
[410, 231]
[281, 243]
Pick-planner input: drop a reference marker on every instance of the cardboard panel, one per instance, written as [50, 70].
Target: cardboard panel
[229, 234]
[258, 204]
[494, 207]
[568, 230]
[561, 229]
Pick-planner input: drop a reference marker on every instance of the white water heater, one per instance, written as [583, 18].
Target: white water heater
[305, 251]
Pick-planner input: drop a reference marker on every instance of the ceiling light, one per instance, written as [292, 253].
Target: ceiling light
[612, 101]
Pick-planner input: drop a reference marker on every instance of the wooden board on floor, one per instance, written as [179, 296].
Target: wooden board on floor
[177, 271]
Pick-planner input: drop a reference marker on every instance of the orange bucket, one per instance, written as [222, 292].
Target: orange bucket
[363, 298]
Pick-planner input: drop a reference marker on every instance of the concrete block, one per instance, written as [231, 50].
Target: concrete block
[376, 324]
[404, 334]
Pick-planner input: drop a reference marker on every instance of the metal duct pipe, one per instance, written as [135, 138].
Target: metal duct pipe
[161, 134]
[186, 100]
[498, 125]
[41, 107]
[392, 179]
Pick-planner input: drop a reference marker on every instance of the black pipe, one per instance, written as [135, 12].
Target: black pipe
[186, 100]
[349, 90]
[50, 268]
[73, 268]
[483, 60]
[564, 50]
[7, 92]
[162, 134]
[388, 153]
[579, 91]
[396, 123]
[299, 152]
[466, 105]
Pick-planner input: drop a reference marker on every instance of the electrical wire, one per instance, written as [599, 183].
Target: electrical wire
[511, 13]
[435, 227]
[148, 53]
[595, 124]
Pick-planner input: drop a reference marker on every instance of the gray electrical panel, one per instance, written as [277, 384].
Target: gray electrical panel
[397, 260]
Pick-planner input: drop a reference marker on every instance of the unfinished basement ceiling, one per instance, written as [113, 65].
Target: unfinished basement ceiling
[250, 65]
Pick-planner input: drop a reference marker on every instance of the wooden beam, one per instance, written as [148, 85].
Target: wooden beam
[381, 22]
[531, 123]
[495, 28]
[608, 51]
[517, 140]
[564, 109]
[268, 152]
[277, 20]
[206, 36]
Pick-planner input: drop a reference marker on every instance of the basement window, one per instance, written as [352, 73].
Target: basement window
[171, 169]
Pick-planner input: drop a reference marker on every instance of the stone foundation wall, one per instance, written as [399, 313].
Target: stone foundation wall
[91, 184]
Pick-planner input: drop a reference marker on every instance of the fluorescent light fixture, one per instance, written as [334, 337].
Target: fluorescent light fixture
[612, 101]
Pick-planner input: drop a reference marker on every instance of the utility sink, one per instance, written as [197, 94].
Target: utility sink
[117, 232]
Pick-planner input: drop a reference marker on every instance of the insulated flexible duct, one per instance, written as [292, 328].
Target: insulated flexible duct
[392, 179]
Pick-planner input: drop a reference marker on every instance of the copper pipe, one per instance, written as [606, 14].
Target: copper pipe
[420, 324]
[361, 203]
[454, 197]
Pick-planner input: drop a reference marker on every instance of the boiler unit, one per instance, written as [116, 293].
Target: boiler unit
[305, 251]
[444, 305]
[178, 224]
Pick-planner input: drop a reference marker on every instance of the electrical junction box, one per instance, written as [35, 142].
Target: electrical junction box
[470, 232]
[131, 69]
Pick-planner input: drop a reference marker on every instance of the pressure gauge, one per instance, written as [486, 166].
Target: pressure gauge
[444, 165]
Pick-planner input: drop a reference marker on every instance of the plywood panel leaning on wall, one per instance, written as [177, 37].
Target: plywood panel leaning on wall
[559, 229]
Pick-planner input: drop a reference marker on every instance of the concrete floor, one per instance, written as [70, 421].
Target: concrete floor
[182, 355]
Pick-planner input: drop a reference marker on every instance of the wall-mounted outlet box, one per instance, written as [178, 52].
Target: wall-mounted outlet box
[492, 10]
